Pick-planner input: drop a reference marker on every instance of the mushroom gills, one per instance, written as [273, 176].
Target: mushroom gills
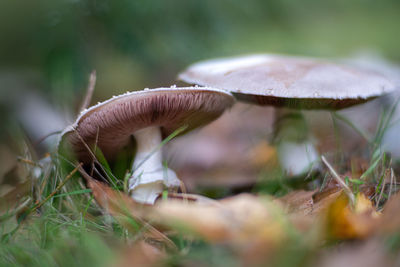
[149, 176]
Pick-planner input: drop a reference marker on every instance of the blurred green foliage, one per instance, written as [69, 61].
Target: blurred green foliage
[136, 43]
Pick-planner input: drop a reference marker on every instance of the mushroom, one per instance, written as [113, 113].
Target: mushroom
[148, 116]
[295, 83]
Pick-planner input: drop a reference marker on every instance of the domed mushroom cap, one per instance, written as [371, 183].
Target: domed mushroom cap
[110, 124]
[289, 81]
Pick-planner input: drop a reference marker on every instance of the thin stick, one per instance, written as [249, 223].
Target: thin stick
[89, 91]
[392, 178]
[345, 187]
[58, 187]
[30, 162]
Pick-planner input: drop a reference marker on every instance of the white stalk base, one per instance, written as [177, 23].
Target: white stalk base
[149, 176]
[297, 158]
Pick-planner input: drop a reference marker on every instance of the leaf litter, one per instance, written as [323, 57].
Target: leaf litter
[248, 223]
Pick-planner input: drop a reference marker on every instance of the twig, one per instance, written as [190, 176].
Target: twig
[392, 178]
[30, 162]
[345, 187]
[58, 187]
[89, 91]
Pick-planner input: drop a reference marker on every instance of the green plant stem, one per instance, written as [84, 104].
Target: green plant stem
[349, 123]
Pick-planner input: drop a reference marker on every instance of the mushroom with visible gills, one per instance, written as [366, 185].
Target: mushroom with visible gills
[291, 82]
[148, 116]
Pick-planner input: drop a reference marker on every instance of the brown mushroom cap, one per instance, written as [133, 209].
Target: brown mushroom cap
[295, 82]
[113, 122]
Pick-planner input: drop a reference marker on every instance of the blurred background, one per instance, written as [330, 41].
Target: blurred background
[136, 44]
[48, 48]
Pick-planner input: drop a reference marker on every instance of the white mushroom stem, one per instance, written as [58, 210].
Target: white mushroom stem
[296, 152]
[297, 159]
[149, 176]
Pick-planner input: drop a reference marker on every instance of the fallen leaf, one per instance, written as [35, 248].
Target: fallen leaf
[239, 219]
[322, 203]
[299, 201]
[306, 203]
[140, 254]
[126, 211]
[14, 195]
[345, 222]
[390, 221]
[303, 207]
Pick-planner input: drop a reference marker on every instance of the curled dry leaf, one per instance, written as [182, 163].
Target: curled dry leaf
[240, 219]
[302, 207]
[126, 211]
[323, 199]
[345, 222]
[308, 203]
[300, 202]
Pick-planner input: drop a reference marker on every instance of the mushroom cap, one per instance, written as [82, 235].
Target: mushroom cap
[110, 124]
[296, 82]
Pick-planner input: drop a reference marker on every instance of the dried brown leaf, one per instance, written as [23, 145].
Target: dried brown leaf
[390, 221]
[300, 202]
[140, 254]
[305, 203]
[14, 195]
[240, 219]
[322, 200]
[124, 209]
